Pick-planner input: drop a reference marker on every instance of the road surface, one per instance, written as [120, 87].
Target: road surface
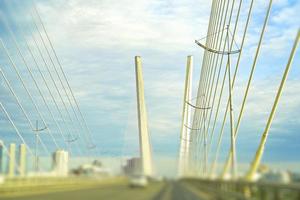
[154, 191]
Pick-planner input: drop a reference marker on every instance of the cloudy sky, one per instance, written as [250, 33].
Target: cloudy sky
[96, 42]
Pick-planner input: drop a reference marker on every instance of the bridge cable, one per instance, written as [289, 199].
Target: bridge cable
[214, 162]
[218, 21]
[17, 130]
[49, 90]
[33, 78]
[191, 162]
[58, 91]
[14, 94]
[206, 89]
[251, 75]
[213, 80]
[193, 151]
[260, 150]
[39, 90]
[64, 75]
[215, 90]
[56, 72]
[205, 79]
[211, 88]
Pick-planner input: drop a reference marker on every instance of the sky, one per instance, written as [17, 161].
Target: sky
[96, 42]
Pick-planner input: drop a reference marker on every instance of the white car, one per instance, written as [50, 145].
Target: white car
[138, 181]
[1, 179]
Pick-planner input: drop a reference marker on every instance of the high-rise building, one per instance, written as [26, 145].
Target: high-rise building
[61, 163]
[12, 159]
[22, 159]
[132, 166]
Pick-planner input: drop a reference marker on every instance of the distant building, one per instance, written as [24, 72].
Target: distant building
[22, 160]
[276, 176]
[60, 163]
[295, 177]
[132, 166]
[12, 160]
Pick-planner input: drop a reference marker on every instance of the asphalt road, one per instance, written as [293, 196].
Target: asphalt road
[154, 191]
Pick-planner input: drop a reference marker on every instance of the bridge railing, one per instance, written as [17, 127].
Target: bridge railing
[222, 189]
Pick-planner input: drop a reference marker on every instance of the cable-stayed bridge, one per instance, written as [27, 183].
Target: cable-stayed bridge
[50, 130]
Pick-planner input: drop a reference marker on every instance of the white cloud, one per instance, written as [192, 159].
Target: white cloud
[125, 24]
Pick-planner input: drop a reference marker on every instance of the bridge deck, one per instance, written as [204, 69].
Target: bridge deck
[118, 188]
[154, 191]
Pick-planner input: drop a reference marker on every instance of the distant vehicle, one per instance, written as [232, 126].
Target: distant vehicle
[138, 181]
[156, 179]
[1, 179]
[95, 169]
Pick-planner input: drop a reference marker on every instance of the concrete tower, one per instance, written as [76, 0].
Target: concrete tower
[145, 148]
[61, 163]
[186, 120]
[12, 159]
[22, 159]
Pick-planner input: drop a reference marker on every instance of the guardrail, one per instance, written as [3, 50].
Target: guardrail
[246, 190]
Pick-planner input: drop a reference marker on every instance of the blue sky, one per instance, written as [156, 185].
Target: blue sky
[97, 41]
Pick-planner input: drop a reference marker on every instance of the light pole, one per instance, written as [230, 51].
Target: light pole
[37, 130]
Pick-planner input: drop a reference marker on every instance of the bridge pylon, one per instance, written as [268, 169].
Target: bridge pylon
[144, 139]
[183, 163]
